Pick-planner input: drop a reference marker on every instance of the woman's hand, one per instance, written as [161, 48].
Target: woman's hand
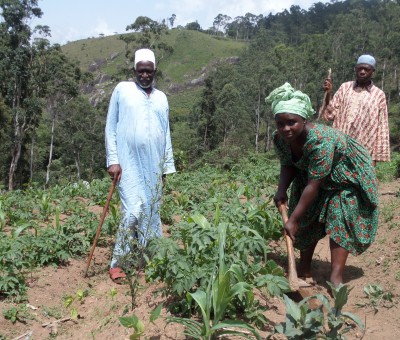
[115, 171]
[291, 228]
[280, 198]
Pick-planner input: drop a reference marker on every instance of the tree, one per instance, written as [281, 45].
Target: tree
[172, 20]
[228, 113]
[193, 26]
[221, 20]
[16, 60]
[63, 80]
[149, 33]
[81, 139]
[216, 115]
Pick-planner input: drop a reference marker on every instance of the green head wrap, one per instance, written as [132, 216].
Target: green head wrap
[285, 99]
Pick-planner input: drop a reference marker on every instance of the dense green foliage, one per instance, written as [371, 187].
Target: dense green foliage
[46, 227]
[297, 46]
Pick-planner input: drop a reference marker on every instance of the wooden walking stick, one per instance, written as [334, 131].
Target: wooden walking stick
[294, 282]
[110, 193]
[322, 108]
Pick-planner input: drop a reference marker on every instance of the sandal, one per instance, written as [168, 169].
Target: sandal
[117, 275]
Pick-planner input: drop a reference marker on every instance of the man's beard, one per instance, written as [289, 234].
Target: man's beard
[145, 86]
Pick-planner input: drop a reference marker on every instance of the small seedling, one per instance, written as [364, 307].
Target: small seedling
[113, 293]
[377, 297]
[133, 322]
[398, 276]
[19, 313]
[11, 314]
[69, 300]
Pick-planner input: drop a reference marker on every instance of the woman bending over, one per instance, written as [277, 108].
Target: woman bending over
[333, 184]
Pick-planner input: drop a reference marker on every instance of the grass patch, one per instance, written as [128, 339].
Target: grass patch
[388, 171]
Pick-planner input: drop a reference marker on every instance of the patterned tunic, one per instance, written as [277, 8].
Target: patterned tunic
[362, 114]
[347, 205]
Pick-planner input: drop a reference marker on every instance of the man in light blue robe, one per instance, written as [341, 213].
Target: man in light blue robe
[139, 154]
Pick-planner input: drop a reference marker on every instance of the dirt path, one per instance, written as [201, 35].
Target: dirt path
[100, 309]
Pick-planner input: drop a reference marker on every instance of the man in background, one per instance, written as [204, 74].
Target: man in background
[359, 109]
[139, 155]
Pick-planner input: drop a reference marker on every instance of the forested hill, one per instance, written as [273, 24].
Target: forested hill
[53, 99]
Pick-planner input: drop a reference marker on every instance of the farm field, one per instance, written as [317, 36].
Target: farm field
[89, 308]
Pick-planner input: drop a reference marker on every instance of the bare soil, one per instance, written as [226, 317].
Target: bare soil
[99, 312]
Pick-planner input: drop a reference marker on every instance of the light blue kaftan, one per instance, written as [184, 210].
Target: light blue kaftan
[138, 139]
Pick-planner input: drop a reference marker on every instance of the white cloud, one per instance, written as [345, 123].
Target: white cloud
[102, 27]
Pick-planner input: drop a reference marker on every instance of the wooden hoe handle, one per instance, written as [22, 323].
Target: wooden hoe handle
[292, 273]
[322, 108]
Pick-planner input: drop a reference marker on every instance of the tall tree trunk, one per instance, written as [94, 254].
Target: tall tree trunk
[225, 139]
[258, 119]
[50, 151]
[16, 150]
[31, 158]
[205, 137]
[78, 165]
[268, 136]
[16, 154]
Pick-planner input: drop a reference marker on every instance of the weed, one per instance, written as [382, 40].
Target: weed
[136, 324]
[377, 297]
[394, 225]
[114, 220]
[2, 217]
[113, 293]
[19, 313]
[388, 211]
[386, 265]
[73, 301]
[52, 312]
[302, 322]
[398, 276]
[45, 205]
[387, 171]
[132, 259]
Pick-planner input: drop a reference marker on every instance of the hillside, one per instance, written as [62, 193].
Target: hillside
[183, 71]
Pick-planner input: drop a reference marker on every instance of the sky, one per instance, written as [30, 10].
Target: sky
[71, 20]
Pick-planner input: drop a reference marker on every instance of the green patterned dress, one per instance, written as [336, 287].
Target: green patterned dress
[347, 205]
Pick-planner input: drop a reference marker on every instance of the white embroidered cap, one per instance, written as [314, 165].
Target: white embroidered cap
[145, 54]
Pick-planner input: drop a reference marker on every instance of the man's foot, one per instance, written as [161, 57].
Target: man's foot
[117, 275]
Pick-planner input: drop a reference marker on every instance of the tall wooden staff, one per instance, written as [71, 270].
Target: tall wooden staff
[110, 193]
[323, 106]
